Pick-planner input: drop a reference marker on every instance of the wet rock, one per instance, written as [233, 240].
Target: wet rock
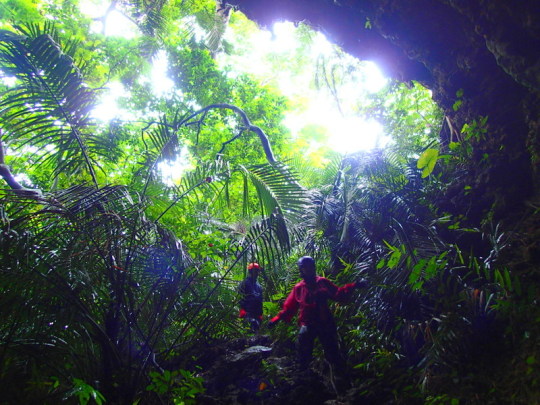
[251, 354]
[253, 374]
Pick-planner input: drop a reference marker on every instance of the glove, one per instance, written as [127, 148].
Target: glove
[272, 322]
[242, 313]
[362, 283]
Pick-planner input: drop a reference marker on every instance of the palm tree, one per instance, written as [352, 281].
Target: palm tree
[105, 290]
[429, 305]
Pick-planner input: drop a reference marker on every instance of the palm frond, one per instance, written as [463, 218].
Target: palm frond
[94, 276]
[277, 190]
[310, 175]
[148, 15]
[50, 105]
[215, 36]
[192, 191]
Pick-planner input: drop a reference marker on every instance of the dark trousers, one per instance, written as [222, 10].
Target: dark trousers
[327, 335]
[254, 321]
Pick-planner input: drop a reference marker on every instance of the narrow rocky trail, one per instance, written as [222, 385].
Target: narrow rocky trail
[258, 370]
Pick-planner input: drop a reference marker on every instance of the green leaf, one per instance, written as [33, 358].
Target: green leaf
[453, 146]
[431, 268]
[427, 161]
[416, 272]
[367, 24]
[394, 258]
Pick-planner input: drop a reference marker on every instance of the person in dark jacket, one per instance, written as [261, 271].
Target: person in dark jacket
[315, 319]
[251, 308]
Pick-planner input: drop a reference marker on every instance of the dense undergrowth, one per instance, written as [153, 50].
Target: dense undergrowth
[113, 298]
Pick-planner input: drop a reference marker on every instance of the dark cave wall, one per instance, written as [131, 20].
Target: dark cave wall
[489, 49]
[511, 30]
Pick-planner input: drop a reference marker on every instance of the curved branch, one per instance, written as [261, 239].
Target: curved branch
[247, 123]
[5, 173]
[238, 135]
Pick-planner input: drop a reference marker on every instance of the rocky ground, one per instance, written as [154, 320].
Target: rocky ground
[256, 370]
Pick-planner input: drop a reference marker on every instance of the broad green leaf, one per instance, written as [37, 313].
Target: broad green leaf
[427, 161]
[394, 258]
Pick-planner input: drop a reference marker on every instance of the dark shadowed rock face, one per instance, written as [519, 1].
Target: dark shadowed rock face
[487, 48]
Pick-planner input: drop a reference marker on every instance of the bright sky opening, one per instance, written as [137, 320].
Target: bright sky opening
[346, 131]
[116, 24]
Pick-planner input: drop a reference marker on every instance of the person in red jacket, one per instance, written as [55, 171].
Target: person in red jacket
[315, 319]
[251, 302]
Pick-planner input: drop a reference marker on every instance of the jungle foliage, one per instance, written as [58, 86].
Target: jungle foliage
[116, 277]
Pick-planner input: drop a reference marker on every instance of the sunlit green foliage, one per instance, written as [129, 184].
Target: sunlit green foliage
[119, 279]
[19, 10]
[409, 115]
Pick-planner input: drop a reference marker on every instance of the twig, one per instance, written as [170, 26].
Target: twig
[247, 124]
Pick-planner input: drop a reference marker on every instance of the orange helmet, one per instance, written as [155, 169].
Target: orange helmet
[253, 266]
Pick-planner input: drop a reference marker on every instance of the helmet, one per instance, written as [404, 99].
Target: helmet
[306, 261]
[254, 266]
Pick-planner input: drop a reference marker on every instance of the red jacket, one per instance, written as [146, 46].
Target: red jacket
[312, 301]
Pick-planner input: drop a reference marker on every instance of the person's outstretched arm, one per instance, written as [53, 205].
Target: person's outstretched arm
[290, 307]
[341, 294]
